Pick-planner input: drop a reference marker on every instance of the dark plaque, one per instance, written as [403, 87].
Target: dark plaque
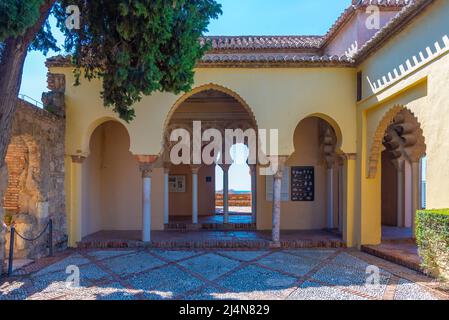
[303, 184]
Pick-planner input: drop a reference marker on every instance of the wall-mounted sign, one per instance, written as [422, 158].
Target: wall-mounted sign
[177, 183]
[303, 184]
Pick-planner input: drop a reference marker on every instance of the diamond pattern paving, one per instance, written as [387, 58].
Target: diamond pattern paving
[292, 264]
[211, 266]
[133, 263]
[165, 283]
[218, 274]
[255, 282]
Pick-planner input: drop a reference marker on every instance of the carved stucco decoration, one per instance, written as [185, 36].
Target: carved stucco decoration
[408, 142]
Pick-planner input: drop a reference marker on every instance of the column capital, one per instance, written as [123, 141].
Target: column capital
[281, 160]
[195, 168]
[78, 159]
[146, 171]
[330, 162]
[146, 164]
[350, 156]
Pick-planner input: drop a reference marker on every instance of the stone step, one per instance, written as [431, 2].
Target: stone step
[211, 244]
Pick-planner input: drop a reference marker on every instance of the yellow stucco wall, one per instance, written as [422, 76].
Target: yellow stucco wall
[293, 93]
[280, 98]
[302, 215]
[422, 89]
[277, 98]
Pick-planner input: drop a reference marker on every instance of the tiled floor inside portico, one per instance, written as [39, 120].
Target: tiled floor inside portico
[234, 218]
[304, 274]
[237, 215]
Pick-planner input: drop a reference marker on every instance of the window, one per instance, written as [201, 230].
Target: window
[359, 85]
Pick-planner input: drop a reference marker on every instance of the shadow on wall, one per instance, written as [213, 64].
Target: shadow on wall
[112, 183]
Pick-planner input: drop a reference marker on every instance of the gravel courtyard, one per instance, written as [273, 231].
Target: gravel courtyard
[217, 274]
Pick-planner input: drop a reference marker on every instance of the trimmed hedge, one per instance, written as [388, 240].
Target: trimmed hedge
[432, 236]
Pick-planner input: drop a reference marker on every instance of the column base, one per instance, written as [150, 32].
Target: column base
[274, 245]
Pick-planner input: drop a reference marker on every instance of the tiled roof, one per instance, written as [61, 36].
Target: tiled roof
[357, 4]
[220, 43]
[259, 60]
[260, 51]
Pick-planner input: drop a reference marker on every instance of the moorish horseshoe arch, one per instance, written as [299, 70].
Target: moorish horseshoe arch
[334, 125]
[210, 86]
[376, 146]
[91, 129]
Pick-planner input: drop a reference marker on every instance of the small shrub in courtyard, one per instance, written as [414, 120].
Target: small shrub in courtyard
[432, 235]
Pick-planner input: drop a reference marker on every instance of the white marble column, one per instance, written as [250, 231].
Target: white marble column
[253, 173]
[330, 197]
[146, 164]
[146, 205]
[195, 170]
[415, 194]
[400, 193]
[166, 195]
[225, 168]
[276, 207]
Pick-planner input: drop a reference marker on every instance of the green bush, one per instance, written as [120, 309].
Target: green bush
[432, 235]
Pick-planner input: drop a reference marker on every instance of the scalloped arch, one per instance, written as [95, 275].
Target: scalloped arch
[376, 146]
[210, 86]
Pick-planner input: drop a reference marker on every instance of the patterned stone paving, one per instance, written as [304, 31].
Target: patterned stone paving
[314, 274]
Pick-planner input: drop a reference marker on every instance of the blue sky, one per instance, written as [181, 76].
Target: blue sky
[240, 17]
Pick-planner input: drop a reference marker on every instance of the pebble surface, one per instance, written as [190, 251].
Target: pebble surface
[305, 274]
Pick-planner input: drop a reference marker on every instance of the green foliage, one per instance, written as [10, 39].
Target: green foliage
[137, 47]
[44, 40]
[17, 16]
[432, 235]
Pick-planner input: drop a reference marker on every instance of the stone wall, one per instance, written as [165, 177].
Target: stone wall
[33, 191]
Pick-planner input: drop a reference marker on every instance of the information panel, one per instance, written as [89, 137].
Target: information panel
[302, 184]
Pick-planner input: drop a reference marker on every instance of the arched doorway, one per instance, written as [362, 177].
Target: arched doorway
[193, 187]
[402, 175]
[313, 198]
[112, 184]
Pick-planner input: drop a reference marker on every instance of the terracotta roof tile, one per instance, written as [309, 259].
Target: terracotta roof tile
[263, 42]
[273, 60]
[292, 50]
